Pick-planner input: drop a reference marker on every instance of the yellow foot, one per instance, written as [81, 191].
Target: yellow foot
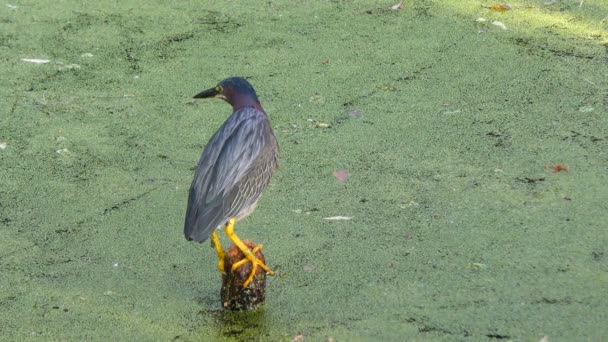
[236, 265]
[249, 254]
[255, 262]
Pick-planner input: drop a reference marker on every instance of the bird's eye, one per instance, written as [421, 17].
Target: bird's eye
[218, 89]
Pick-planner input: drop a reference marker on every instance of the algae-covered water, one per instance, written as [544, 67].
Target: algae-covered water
[443, 121]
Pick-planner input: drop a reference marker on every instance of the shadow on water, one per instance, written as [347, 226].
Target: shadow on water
[240, 325]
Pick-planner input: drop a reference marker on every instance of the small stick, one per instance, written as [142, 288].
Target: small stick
[234, 296]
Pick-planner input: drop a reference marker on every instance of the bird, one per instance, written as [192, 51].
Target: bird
[236, 166]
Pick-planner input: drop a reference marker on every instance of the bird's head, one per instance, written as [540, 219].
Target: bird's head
[234, 90]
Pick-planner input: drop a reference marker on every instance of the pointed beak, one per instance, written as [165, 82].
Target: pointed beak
[213, 92]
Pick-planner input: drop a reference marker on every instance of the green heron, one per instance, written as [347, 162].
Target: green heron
[236, 166]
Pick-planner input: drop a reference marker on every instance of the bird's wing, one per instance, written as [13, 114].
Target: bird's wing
[227, 158]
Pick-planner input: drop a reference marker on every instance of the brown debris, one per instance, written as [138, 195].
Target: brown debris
[500, 8]
[557, 168]
[234, 296]
[341, 175]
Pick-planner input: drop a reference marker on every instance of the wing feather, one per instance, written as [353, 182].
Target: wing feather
[222, 172]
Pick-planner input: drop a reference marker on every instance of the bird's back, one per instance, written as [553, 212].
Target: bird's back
[236, 165]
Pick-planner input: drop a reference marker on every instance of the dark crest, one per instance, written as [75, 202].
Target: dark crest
[239, 85]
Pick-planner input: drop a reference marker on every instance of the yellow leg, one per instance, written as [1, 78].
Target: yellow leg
[215, 241]
[249, 256]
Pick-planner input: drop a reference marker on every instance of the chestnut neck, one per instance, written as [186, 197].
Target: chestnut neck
[241, 101]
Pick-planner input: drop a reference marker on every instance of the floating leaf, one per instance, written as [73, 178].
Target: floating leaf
[309, 268]
[559, 168]
[386, 87]
[500, 8]
[397, 7]
[355, 113]
[341, 175]
[322, 125]
[338, 218]
[499, 24]
[477, 266]
[35, 60]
